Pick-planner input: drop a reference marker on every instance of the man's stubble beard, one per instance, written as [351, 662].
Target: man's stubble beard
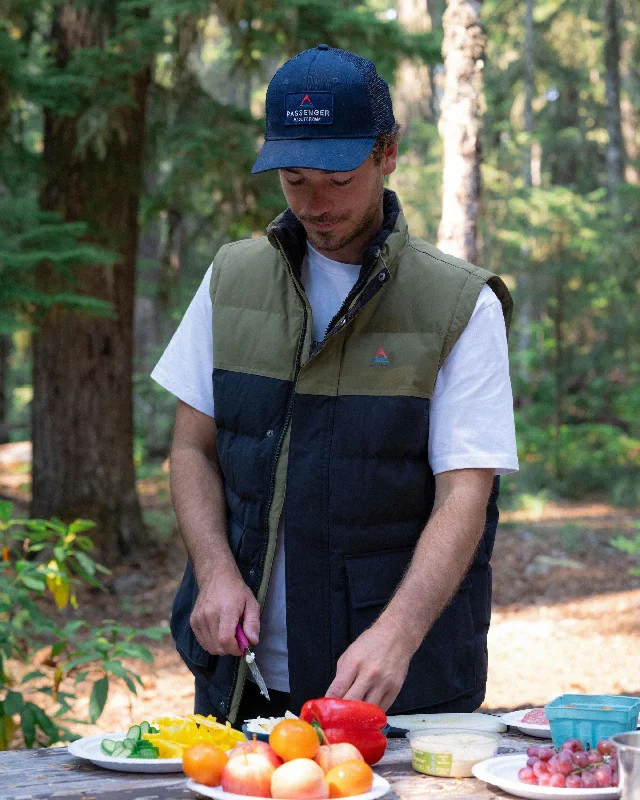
[322, 241]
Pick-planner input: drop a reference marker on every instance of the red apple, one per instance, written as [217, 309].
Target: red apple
[248, 773]
[299, 779]
[330, 755]
[256, 746]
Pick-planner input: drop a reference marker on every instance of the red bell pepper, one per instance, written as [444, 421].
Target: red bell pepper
[354, 721]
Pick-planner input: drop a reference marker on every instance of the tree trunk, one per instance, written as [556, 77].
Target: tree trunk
[628, 111]
[82, 407]
[411, 98]
[5, 346]
[463, 51]
[525, 315]
[435, 10]
[615, 146]
[559, 369]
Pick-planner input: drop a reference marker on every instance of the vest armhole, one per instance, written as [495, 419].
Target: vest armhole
[463, 310]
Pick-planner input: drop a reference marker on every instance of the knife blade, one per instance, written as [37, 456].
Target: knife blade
[250, 658]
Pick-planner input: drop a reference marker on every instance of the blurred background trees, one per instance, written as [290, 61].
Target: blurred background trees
[127, 134]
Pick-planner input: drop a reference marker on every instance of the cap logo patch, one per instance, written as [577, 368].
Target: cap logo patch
[308, 108]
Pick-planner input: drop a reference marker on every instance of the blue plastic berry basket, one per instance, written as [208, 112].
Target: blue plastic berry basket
[591, 717]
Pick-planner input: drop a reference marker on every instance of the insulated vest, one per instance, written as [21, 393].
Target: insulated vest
[341, 429]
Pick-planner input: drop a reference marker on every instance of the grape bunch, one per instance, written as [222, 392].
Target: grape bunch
[572, 767]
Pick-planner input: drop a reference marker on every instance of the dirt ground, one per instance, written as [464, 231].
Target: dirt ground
[566, 610]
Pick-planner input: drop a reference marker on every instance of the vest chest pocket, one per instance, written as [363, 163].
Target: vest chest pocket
[444, 666]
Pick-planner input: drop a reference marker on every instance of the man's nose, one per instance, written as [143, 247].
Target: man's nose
[317, 203]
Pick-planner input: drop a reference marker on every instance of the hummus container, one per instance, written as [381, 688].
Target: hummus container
[449, 752]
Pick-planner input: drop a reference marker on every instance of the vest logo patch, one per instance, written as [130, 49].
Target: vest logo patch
[380, 359]
[308, 108]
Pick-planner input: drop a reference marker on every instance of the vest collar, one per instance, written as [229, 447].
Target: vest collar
[287, 231]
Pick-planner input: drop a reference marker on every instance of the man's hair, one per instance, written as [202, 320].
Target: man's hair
[384, 140]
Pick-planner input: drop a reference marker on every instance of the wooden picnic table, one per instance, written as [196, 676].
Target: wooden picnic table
[54, 773]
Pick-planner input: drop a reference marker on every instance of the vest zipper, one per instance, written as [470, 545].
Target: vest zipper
[346, 314]
[238, 686]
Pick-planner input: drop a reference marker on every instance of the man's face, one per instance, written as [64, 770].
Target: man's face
[340, 211]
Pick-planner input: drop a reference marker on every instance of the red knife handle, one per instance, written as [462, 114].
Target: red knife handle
[241, 638]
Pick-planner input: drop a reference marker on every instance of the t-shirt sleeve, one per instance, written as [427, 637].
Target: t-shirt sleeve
[471, 421]
[186, 366]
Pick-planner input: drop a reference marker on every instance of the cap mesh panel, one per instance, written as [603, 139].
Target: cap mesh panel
[377, 90]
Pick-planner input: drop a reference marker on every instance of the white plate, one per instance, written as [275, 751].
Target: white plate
[380, 787]
[514, 718]
[502, 771]
[89, 748]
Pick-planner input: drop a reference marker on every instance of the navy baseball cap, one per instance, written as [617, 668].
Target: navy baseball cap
[325, 108]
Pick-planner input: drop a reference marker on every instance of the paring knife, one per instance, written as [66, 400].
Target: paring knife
[250, 657]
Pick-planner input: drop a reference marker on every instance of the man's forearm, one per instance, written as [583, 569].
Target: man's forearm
[199, 503]
[443, 554]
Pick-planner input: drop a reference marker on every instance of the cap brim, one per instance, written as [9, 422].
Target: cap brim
[331, 155]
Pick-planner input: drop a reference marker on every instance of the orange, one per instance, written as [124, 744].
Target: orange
[349, 778]
[204, 763]
[294, 738]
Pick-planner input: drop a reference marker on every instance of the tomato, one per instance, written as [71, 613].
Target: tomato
[204, 763]
[293, 738]
[349, 778]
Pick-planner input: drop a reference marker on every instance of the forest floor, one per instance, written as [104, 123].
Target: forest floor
[566, 610]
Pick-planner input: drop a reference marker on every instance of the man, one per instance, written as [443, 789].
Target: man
[333, 478]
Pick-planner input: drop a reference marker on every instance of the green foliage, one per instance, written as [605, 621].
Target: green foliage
[631, 546]
[47, 556]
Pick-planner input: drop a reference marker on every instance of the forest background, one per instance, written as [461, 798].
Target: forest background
[127, 133]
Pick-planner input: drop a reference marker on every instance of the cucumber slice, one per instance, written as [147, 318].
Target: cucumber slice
[126, 752]
[144, 727]
[144, 752]
[130, 742]
[107, 746]
[118, 750]
[133, 732]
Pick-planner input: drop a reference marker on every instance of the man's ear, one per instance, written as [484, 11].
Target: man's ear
[389, 159]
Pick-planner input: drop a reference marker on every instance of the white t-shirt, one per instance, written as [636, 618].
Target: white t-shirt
[470, 416]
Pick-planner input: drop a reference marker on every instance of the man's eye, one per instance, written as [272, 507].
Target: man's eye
[342, 183]
[294, 183]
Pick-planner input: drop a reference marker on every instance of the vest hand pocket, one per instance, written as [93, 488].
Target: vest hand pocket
[444, 666]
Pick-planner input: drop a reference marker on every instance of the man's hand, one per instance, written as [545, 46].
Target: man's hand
[373, 668]
[222, 603]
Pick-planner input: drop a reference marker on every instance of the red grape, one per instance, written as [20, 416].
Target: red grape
[540, 768]
[614, 778]
[532, 760]
[553, 763]
[606, 747]
[574, 745]
[545, 779]
[526, 776]
[580, 759]
[603, 775]
[545, 753]
[565, 763]
[533, 751]
[557, 781]
[589, 780]
[573, 782]
[594, 756]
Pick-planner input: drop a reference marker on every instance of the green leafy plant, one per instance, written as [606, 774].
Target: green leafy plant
[48, 556]
[631, 546]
